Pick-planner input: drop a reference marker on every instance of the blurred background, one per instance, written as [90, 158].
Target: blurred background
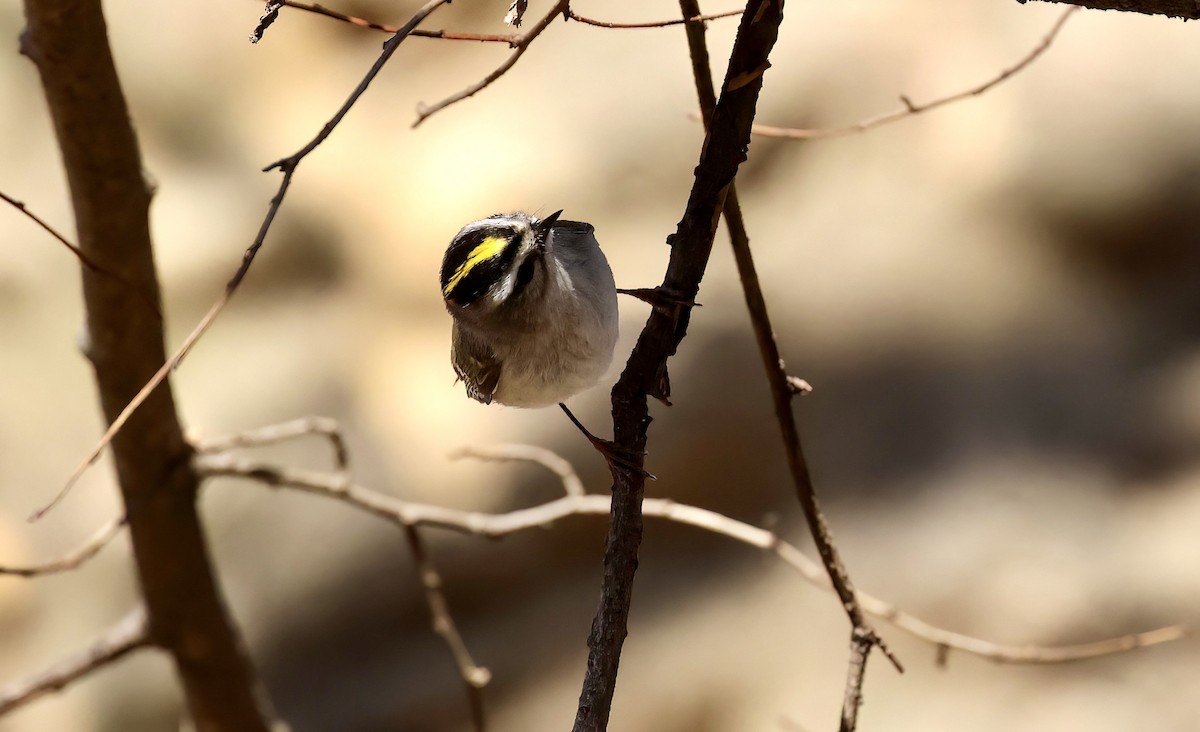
[998, 304]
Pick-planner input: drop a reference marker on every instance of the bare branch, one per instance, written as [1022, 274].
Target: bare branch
[83, 258]
[1186, 9]
[509, 38]
[697, 18]
[273, 434]
[474, 676]
[288, 167]
[129, 634]
[909, 108]
[495, 526]
[783, 388]
[520, 46]
[86, 551]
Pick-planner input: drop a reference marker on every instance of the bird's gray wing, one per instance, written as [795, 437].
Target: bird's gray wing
[475, 364]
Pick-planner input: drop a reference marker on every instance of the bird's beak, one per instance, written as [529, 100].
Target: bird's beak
[543, 226]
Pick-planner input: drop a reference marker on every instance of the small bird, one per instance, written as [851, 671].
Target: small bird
[534, 306]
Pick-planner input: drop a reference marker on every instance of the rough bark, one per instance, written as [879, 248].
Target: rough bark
[67, 41]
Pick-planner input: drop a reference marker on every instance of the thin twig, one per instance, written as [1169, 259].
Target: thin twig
[84, 258]
[697, 18]
[782, 391]
[909, 108]
[512, 39]
[129, 634]
[509, 38]
[498, 525]
[326, 427]
[86, 551]
[519, 47]
[474, 676]
[288, 167]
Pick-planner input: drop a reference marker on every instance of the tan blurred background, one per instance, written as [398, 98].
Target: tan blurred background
[998, 304]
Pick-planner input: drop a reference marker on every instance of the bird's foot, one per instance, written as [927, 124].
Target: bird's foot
[613, 455]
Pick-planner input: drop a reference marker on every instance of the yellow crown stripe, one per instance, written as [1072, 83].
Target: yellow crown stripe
[491, 247]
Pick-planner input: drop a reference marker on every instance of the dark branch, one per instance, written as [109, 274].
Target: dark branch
[645, 373]
[68, 42]
[1186, 9]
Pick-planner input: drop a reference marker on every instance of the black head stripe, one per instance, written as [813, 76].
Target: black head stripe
[467, 276]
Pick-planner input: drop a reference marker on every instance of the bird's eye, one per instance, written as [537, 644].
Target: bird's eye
[524, 275]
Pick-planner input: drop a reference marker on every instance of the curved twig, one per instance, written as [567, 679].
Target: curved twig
[67, 562]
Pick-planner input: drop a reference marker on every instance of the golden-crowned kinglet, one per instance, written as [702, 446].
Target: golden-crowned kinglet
[534, 307]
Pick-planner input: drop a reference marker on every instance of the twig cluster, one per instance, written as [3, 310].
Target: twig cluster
[728, 119]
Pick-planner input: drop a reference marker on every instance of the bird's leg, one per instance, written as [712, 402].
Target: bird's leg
[612, 454]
